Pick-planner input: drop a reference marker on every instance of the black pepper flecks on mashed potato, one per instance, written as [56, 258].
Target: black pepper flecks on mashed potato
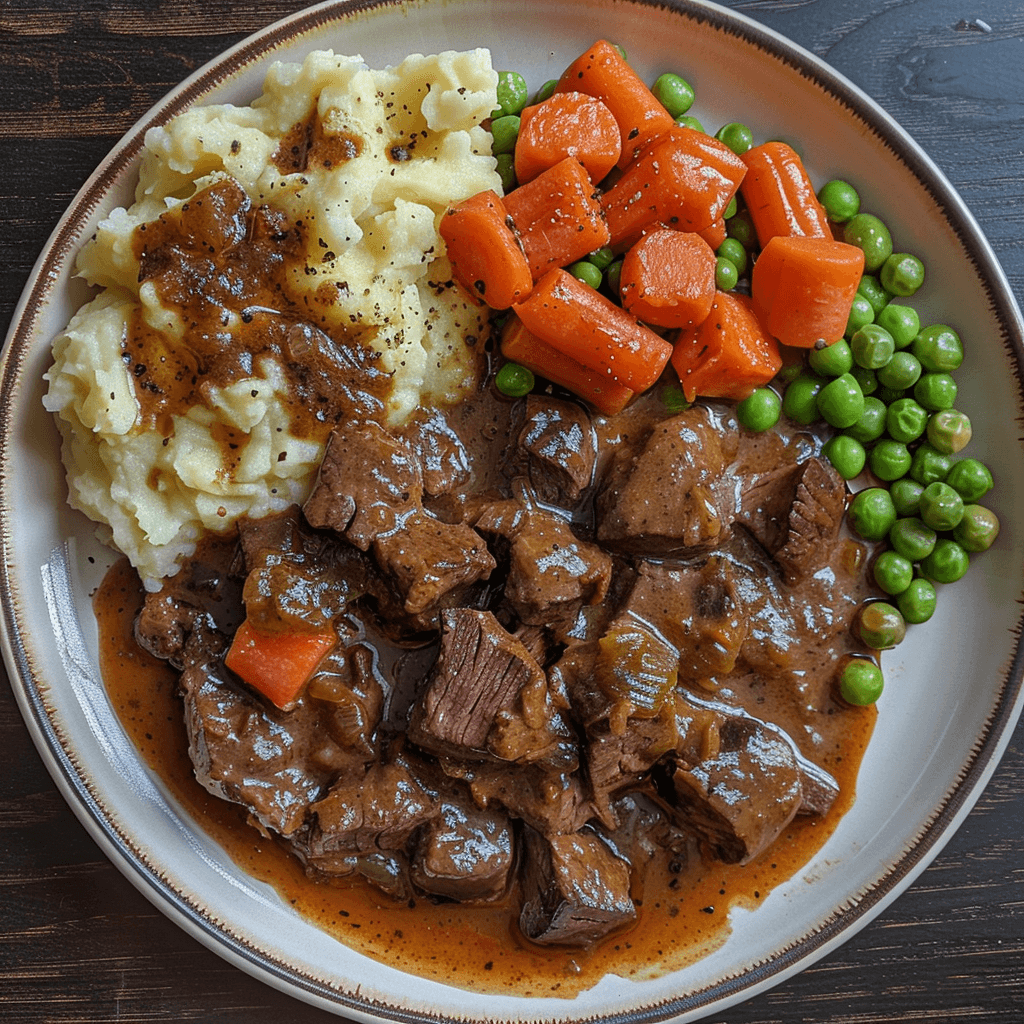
[366, 161]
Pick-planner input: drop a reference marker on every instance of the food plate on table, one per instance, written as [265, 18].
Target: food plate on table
[948, 708]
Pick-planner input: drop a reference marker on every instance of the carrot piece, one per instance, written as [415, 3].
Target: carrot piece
[685, 179]
[521, 346]
[668, 279]
[716, 234]
[557, 216]
[603, 73]
[779, 195]
[729, 354]
[582, 324]
[276, 664]
[803, 288]
[485, 254]
[567, 124]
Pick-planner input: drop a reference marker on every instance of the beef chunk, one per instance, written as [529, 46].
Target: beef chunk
[368, 482]
[576, 889]
[552, 574]
[698, 609]
[487, 696]
[795, 513]
[557, 444]
[665, 497]
[465, 853]
[442, 454]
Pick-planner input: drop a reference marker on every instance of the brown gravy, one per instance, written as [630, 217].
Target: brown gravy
[684, 913]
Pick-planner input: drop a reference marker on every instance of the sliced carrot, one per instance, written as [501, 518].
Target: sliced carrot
[602, 72]
[668, 279]
[779, 195]
[485, 254]
[582, 324]
[684, 179]
[729, 354]
[567, 124]
[521, 346]
[277, 664]
[716, 234]
[803, 288]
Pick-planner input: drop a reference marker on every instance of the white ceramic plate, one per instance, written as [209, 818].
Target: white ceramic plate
[953, 688]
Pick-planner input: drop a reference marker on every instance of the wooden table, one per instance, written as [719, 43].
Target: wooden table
[77, 942]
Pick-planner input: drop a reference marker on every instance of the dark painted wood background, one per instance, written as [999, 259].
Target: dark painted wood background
[77, 943]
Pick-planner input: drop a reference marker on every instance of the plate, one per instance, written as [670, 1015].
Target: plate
[948, 710]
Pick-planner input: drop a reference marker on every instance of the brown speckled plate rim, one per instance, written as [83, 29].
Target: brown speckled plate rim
[75, 784]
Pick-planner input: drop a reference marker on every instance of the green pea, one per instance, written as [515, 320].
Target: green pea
[866, 378]
[789, 372]
[889, 460]
[947, 563]
[730, 210]
[733, 250]
[585, 271]
[874, 293]
[872, 346]
[977, 530]
[846, 454]
[831, 360]
[546, 91]
[906, 421]
[917, 602]
[760, 410]
[512, 93]
[902, 322]
[970, 478]
[741, 228]
[602, 258]
[929, 465]
[949, 431]
[841, 401]
[871, 424]
[674, 93]
[738, 137]
[840, 200]
[613, 276]
[941, 507]
[890, 395]
[901, 372]
[800, 402]
[504, 132]
[514, 380]
[906, 496]
[861, 313]
[902, 274]
[939, 348]
[936, 391]
[505, 164]
[880, 625]
[893, 572]
[726, 274]
[912, 539]
[690, 122]
[869, 233]
[861, 682]
[871, 513]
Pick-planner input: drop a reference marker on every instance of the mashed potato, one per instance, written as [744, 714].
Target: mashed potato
[411, 143]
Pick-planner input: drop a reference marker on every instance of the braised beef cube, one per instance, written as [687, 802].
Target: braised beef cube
[271, 538]
[557, 439]
[465, 854]
[443, 456]
[430, 562]
[552, 574]
[487, 696]
[368, 481]
[698, 609]
[739, 799]
[576, 890]
[388, 871]
[642, 829]
[163, 625]
[818, 789]
[366, 814]
[303, 598]
[795, 513]
[667, 496]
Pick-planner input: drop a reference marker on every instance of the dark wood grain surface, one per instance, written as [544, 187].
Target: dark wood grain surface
[77, 942]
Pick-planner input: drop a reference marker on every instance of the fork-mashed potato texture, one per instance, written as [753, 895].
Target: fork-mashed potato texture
[371, 223]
